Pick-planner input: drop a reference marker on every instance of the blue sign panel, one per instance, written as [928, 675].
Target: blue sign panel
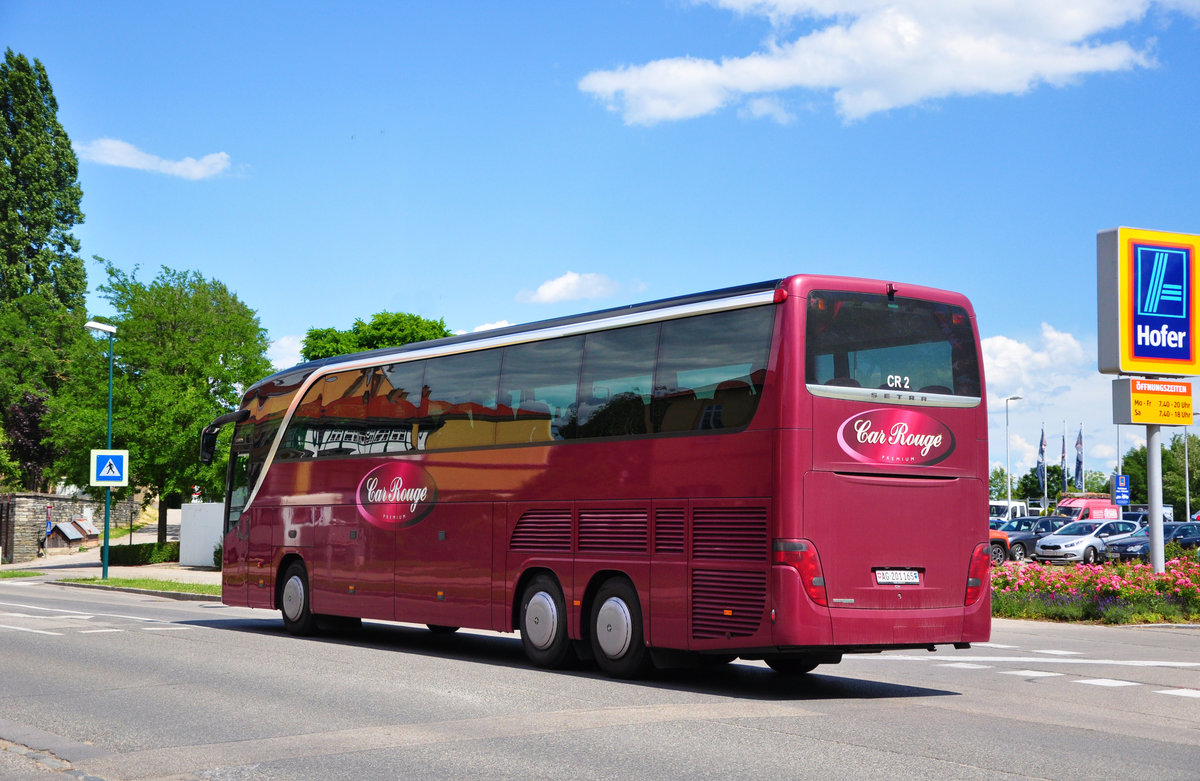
[1163, 306]
[110, 468]
[1121, 490]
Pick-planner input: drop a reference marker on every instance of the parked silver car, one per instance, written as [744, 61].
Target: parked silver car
[1085, 541]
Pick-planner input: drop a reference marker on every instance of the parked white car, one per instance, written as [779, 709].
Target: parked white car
[1082, 541]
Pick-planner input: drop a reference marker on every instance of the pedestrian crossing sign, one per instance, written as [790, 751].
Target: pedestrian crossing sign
[110, 468]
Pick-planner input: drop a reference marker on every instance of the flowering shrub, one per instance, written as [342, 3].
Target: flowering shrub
[1112, 593]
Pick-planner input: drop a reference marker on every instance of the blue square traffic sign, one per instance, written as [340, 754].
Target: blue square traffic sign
[110, 468]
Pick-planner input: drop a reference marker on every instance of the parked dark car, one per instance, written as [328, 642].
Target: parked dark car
[1142, 518]
[1023, 533]
[1137, 545]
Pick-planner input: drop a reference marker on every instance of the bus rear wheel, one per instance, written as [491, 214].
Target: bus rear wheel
[543, 623]
[298, 618]
[616, 631]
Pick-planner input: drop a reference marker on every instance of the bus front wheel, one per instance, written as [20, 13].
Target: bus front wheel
[298, 618]
[616, 631]
[544, 623]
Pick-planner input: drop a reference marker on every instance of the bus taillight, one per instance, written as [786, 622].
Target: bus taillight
[801, 556]
[977, 574]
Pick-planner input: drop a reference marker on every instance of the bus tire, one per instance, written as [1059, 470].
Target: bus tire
[616, 631]
[298, 618]
[791, 665]
[543, 623]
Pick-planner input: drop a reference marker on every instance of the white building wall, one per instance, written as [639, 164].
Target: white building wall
[199, 533]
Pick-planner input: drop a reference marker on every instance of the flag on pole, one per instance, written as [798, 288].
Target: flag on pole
[1079, 461]
[1062, 463]
[1041, 462]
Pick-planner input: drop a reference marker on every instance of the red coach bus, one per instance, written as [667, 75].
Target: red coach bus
[787, 471]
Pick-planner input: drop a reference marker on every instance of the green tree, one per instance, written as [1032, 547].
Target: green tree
[9, 470]
[1028, 487]
[1134, 465]
[1095, 482]
[185, 349]
[996, 487]
[386, 329]
[42, 277]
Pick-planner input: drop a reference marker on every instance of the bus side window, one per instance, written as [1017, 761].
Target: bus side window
[618, 371]
[538, 382]
[393, 406]
[462, 393]
[722, 359]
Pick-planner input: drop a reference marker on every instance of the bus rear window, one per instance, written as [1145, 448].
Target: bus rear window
[862, 340]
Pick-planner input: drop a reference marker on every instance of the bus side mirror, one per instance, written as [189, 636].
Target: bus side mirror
[208, 446]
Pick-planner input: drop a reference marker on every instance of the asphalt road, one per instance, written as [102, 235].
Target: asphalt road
[105, 685]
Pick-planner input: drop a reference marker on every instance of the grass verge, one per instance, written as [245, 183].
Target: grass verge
[20, 573]
[153, 584]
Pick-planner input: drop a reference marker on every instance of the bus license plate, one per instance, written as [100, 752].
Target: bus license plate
[889, 577]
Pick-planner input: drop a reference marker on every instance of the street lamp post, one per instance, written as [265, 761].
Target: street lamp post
[1007, 473]
[110, 330]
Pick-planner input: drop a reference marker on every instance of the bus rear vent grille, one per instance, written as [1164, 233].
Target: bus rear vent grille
[729, 533]
[727, 604]
[615, 531]
[548, 530]
[668, 529]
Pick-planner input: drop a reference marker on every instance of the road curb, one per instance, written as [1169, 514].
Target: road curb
[179, 595]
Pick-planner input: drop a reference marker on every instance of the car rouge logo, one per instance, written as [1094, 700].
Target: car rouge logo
[396, 494]
[890, 436]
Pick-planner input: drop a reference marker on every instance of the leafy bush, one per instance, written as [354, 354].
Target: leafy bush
[146, 553]
[218, 555]
[1113, 594]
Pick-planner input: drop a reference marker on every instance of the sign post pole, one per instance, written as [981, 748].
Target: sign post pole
[1154, 495]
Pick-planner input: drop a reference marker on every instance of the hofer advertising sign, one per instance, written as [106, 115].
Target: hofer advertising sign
[1147, 296]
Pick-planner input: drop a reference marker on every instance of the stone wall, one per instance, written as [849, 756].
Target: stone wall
[23, 520]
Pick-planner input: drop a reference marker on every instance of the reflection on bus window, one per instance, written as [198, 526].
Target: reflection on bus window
[861, 340]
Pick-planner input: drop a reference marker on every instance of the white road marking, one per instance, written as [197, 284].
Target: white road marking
[1059, 653]
[1023, 660]
[1109, 682]
[1180, 692]
[966, 666]
[78, 613]
[992, 645]
[1031, 673]
[34, 631]
[98, 631]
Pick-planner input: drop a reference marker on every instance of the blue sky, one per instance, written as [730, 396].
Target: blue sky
[508, 162]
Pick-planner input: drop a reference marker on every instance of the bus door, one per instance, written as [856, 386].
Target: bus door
[237, 534]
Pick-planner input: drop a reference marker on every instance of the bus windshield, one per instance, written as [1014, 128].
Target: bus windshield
[864, 340]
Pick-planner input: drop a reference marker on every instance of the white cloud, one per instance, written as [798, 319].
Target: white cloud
[1060, 388]
[490, 326]
[284, 352]
[874, 55]
[570, 287]
[766, 108]
[111, 151]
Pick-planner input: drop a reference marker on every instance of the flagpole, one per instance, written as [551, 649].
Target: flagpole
[1062, 460]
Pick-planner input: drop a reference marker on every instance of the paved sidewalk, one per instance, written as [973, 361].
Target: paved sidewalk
[88, 565]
